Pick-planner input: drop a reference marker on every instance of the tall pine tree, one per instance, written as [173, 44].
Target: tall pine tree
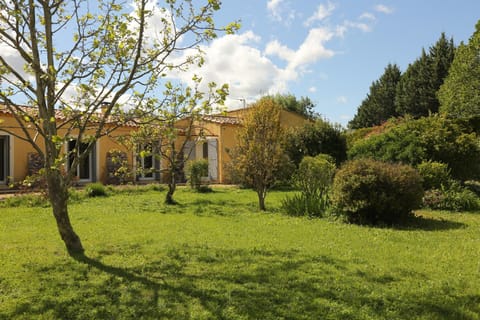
[460, 94]
[379, 105]
[417, 89]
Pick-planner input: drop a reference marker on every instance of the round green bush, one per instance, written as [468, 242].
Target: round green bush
[367, 191]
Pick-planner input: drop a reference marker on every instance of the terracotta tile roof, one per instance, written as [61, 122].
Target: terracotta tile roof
[59, 115]
[33, 112]
[222, 119]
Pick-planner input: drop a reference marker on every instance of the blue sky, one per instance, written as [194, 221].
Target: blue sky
[330, 51]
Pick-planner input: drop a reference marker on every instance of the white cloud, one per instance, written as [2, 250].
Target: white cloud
[13, 58]
[160, 23]
[323, 11]
[313, 49]
[273, 7]
[251, 73]
[310, 51]
[232, 59]
[342, 100]
[276, 48]
[341, 29]
[383, 9]
[280, 11]
[358, 25]
[367, 16]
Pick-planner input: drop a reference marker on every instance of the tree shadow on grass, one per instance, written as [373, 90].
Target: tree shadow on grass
[419, 222]
[188, 282]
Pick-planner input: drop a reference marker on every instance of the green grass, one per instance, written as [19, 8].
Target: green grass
[214, 256]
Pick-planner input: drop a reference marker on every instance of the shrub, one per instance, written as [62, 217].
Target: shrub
[372, 192]
[454, 198]
[195, 170]
[204, 189]
[95, 189]
[25, 200]
[435, 175]
[433, 138]
[314, 178]
[74, 195]
[314, 138]
[300, 205]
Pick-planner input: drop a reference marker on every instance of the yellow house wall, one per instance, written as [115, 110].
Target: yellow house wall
[19, 150]
[106, 144]
[229, 136]
[226, 135]
[291, 119]
[209, 130]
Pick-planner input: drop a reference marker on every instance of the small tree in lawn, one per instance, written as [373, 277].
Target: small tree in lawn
[259, 155]
[172, 122]
[103, 53]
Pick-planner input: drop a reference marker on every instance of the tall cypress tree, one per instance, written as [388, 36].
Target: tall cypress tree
[442, 55]
[379, 105]
[460, 94]
[417, 89]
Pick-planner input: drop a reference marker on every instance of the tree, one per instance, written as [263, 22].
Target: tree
[172, 123]
[379, 105]
[304, 106]
[460, 95]
[315, 138]
[415, 93]
[103, 53]
[417, 89]
[442, 55]
[259, 156]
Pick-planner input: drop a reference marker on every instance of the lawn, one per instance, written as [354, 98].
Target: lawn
[214, 256]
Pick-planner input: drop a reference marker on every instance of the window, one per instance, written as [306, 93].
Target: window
[205, 150]
[3, 160]
[146, 162]
[84, 169]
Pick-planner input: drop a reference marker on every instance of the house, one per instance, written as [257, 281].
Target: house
[18, 158]
[214, 136]
[219, 136]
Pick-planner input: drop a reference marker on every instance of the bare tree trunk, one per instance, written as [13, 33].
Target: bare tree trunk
[58, 195]
[261, 199]
[172, 186]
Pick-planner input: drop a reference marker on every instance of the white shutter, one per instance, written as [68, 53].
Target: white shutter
[189, 150]
[212, 159]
